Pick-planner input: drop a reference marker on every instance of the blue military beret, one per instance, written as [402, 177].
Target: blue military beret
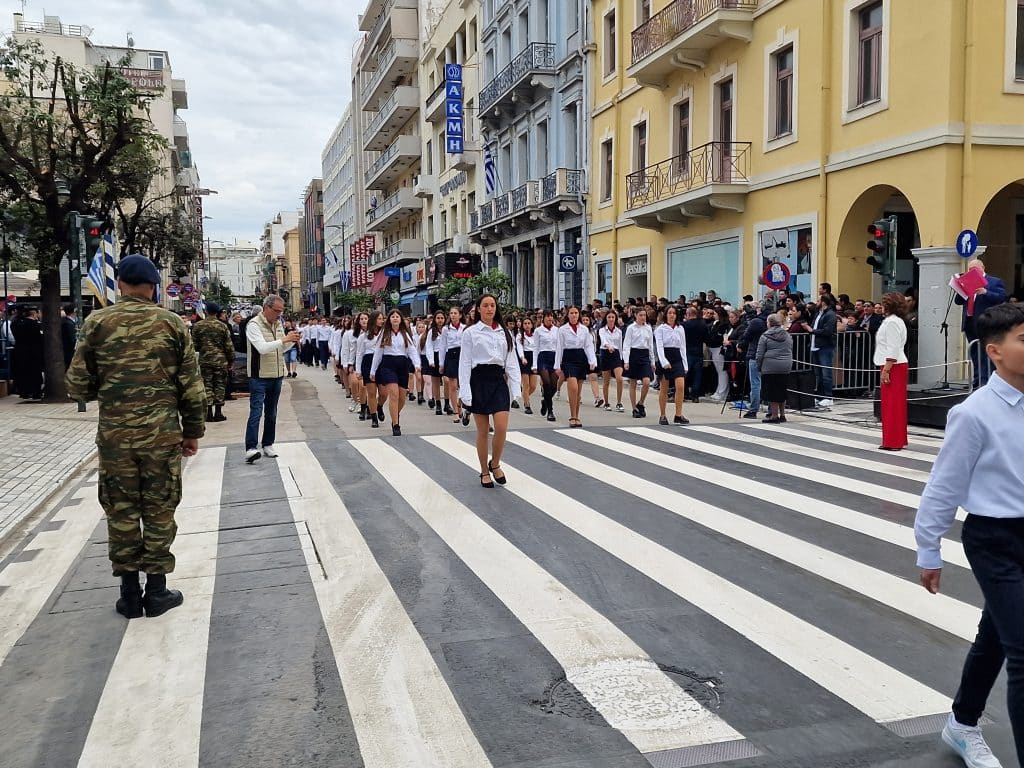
[137, 269]
[212, 309]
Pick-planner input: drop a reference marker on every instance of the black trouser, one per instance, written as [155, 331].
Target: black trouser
[995, 550]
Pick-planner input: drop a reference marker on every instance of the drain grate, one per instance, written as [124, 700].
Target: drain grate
[703, 754]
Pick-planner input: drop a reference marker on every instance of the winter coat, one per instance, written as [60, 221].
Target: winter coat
[775, 351]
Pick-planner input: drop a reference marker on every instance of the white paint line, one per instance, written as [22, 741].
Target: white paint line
[873, 435]
[861, 445]
[30, 584]
[811, 506]
[876, 689]
[797, 449]
[401, 707]
[953, 616]
[777, 466]
[151, 709]
[655, 714]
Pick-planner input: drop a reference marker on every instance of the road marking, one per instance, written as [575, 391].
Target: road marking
[841, 441]
[875, 434]
[876, 689]
[782, 446]
[402, 709]
[953, 616]
[30, 584]
[151, 709]
[868, 525]
[654, 714]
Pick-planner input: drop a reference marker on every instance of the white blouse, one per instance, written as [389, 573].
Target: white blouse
[487, 345]
[638, 337]
[580, 338]
[366, 344]
[610, 338]
[348, 347]
[398, 347]
[665, 336]
[544, 340]
[451, 338]
[890, 341]
[526, 343]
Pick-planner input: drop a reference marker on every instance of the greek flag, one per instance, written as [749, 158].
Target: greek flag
[100, 280]
[490, 171]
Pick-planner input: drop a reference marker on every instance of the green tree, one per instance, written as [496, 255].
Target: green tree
[217, 292]
[65, 136]
[354, 301]
[456, 291]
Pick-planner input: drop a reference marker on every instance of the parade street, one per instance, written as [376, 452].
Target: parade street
[728, 593]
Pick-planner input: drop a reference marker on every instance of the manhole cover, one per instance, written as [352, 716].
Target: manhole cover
[635, 693]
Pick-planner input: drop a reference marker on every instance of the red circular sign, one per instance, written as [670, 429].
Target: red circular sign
[173, 290]
[776, 275]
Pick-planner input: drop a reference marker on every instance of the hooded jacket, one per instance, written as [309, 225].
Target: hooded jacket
[775, 351]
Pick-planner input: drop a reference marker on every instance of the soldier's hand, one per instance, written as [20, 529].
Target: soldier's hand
[189, 446]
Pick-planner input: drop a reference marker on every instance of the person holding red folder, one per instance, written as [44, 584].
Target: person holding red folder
[984, 297]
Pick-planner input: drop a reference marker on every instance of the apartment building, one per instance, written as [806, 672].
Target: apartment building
[149, 71]
[731, 134]
[386, 90]
[532, 107]
[451, 176]
[311, 241]
[338, 166]
[289, 270]
[235, 265]
[272, 252]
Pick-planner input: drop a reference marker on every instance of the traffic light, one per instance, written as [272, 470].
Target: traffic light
[94, 229]
[883, 257]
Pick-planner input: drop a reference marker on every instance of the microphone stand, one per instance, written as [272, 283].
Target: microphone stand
[944, 330]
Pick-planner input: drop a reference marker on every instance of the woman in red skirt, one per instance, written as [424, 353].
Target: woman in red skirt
[891, 357]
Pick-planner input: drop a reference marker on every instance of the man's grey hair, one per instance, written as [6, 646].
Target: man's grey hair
[774, 321]
[271, 300]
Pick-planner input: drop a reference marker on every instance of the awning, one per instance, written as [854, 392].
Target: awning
[380, 281]
[421, 296]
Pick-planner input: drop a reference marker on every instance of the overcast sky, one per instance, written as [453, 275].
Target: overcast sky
[267, 83]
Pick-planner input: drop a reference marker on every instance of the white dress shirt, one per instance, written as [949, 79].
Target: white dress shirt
[544, 340]
[487, 345]
[397, 347]
[665, 336]
[255, 337]
[979, 467]
[611, 338]
[366, 344]
[451, 338]
[334, 345]
[638, 337]
[348, 347]
[890, 341]
[323, 332]
[575, 338]
[525, 343]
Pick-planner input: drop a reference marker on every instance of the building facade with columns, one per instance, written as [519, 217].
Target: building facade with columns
[729, 135]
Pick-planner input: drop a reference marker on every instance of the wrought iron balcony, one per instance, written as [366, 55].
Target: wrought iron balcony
[523, 197]
[435, 104]
[474, 221]
[536, 59]
[441, 248]
[680, 36]
[564, 182]
[709, 177]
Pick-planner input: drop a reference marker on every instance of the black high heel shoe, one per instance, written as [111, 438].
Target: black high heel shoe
[489, 483]
[499, 480]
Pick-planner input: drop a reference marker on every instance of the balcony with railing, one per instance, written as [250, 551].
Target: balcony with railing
[562, 184]
[179, 93]
[393, 114]
[393, 210]
[435, 112]
[711, 177]
[396, 160]
[180, 133]
[681, 35]
[399, 252]
[441, 248]
[398, 18]
[533, 68]
[399, 59]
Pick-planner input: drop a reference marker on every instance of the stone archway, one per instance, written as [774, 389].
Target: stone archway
[854, 275]
[1001, 231]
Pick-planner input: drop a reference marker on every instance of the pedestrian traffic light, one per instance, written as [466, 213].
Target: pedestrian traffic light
[882, 258]
[94, 229]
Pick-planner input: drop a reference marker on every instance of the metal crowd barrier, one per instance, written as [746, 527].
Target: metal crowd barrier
[853, 369]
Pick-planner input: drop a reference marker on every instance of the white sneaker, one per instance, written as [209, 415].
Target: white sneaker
[252, 455]
[352, 408]
[269, 452]
[825, 403]
[969, 744]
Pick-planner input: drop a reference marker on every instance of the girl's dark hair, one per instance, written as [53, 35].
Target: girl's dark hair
[547, 313]
[403, 328]
[371, 323]
[522, 331]
[432, 328]
[610, 313]
[497, 317]
[356, 327]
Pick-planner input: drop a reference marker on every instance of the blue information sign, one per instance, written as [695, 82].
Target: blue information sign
[567, 262]
[453, 109]
[967, 243]
[393, 271]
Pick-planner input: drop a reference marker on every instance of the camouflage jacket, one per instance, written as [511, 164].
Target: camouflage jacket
[213, 342]
[138, 361]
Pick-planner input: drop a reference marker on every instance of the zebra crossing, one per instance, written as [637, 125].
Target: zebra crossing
[719, 595]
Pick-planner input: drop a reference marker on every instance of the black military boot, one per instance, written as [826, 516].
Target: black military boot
[218, 414]
[129, 604]
[159, 599]
[209, 413]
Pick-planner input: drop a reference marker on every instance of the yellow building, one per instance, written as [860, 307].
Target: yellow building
[729, 133]
[289, 271]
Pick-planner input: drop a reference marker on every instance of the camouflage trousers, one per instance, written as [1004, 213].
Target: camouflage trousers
[215, 379]
[139, 489]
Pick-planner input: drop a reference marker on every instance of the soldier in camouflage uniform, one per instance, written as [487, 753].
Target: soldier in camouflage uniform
[138, 361]
[216, 354]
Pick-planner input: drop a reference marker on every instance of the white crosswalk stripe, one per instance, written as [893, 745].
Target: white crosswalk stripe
[867, 443]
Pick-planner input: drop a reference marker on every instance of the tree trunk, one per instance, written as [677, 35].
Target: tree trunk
[53, 351]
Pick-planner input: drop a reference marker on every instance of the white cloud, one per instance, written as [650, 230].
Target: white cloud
[267, 83]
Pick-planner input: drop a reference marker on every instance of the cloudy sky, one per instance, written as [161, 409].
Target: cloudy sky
[267, 83]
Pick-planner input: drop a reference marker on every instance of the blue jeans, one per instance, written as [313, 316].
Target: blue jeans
[995, 550]
[291, 355]
[755, 384]
[823, 360]
[263, 397]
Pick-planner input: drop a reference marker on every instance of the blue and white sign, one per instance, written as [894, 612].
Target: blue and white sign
[392, 272]
[967, 243]
[454, 110]
[567, 262]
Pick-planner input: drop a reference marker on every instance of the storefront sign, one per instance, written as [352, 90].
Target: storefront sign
[456, 181]
[635, 267]
[144, 79]
[453, 109]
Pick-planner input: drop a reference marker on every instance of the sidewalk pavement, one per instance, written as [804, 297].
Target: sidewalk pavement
[43, 445]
